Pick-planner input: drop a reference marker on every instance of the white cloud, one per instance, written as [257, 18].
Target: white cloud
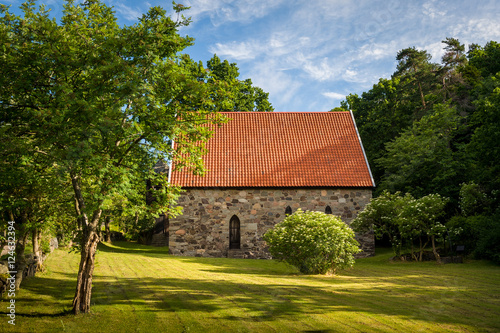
[224, 11]
[238, 51]
[334, 45]
[377, 51]
[430, 9]
[127, 12]
[282, 86]
[320, 70]
[334, 95]
[435, 50]
[487, 28]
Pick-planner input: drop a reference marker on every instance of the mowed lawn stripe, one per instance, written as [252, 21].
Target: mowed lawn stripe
[224, 299]
[172, 295]
[143, 289]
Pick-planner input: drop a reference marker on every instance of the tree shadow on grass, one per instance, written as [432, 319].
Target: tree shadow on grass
[278, 295]
[132, 248]
[63, 313]
[242, 266]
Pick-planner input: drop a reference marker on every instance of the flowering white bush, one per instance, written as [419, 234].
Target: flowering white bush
[314, 242]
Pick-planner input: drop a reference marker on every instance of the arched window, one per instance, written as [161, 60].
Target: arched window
[234, 232]
[328, 210]
[288, 210]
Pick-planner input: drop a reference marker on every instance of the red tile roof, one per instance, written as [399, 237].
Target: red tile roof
[283, 149]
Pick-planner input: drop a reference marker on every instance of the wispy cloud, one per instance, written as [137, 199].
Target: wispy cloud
[127, 12]
[224, 11]
[281, 84]
[334, 95]
[431, 9]
[292, 48]
[237, 50]
[320, 70]
[486, 27]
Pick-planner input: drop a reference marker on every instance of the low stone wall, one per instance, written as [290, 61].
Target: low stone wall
[203, 229]
[26, 268]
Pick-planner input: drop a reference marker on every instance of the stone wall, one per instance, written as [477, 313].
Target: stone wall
[203, 229]
[25, 268]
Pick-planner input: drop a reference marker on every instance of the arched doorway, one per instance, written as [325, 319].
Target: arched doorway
[234, 233]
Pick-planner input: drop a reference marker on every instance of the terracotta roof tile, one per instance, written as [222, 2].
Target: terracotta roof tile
[283, 149]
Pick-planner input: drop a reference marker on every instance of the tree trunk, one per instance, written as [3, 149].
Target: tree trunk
[436, 254]
[20, 246]
[20, 259]
[81, 301]
[90, 239]
[421, 249]
[422, 98]
[108, 231]
[36, 235]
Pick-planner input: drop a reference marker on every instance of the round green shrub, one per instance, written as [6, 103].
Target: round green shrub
[314, 242]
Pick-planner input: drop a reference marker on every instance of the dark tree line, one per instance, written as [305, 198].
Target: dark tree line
[435, 128]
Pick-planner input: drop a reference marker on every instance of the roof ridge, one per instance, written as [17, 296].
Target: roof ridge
[284, 112]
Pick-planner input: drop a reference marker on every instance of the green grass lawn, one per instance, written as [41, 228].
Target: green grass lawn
[143, 289]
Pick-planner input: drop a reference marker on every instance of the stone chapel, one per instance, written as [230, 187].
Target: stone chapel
[262, 166]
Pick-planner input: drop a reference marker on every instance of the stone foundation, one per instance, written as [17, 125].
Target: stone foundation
[203, 229]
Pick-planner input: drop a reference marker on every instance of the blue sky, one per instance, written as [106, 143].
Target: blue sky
[310, 54]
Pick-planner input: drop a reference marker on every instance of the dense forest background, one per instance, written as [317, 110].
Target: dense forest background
[435, 129]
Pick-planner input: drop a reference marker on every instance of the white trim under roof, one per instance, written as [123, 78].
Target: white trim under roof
[362, 148]
[170, 164]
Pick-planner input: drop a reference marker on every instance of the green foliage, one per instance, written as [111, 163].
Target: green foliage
[431, 127]
[314, 242]
[228, 92]
[382, 214]
[418, 77]
[45, 245]
[473, 200]
[485, 59]
[462, 231]
[477, 228]
[479, 234]
[422, 159]
[483, 146]
[403, 219]
[488, 243]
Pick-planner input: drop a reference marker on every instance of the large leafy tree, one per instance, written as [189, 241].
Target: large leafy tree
[423, 158]
[229, 92]
[418, 76]
[381, 115]
[403, 219]
[483, 147]
[101, 103]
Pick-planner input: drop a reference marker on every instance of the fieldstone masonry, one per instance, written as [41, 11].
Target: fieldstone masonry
[203, 229]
